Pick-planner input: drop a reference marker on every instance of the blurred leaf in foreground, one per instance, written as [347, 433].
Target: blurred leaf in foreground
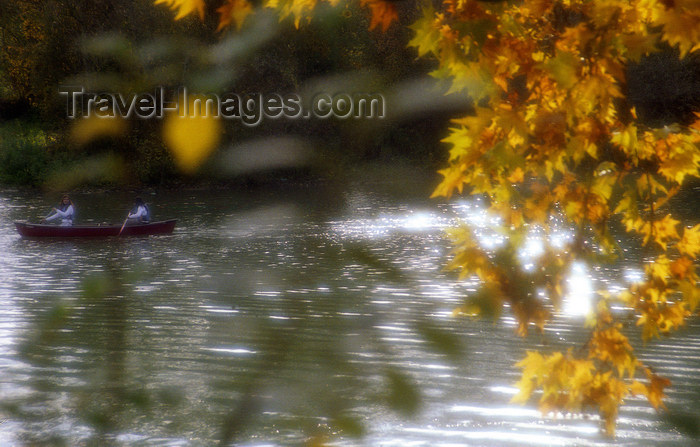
[403, 395]
[192, 133]
[184, 7]
[87, 129]
[442, 341]
[107, 168]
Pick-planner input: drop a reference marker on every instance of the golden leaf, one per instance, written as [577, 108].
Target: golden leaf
[564, 69]
[611, 346]
[603, 185]
[192, 133]
[638, 388]
[533, 367]
[233, 11]
[680, 165]
[454, 178]
[426, 38]
[628, 205]
[517, 176]
[690, 243]
[461, 141]
[682, 267]
[682, 25]
[660, 269]
[184, 7]
[297, 8]
[626, 139]
[383, 13]
[655, 390]
[87, 129]
[691, 294]
[665, 230]
[648, 185]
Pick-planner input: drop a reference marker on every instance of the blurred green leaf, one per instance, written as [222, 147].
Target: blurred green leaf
[362, 254]
[442, 341]
[403, 395]
[108, 45]
[686, 423]
[349, 425]
[485, 303]
[140, 398]
[171, 396]
[96, 286]
[99, 419]
[98, 169]
[47, 332]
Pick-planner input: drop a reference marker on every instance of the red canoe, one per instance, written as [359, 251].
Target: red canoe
[44, 230]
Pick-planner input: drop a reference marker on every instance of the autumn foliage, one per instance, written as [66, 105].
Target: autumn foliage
[552, 134]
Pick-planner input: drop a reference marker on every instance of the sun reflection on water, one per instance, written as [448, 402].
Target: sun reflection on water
[488, 231]
[579, 297]
[633, 276]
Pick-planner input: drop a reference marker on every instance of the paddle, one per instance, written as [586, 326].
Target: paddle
[47, 216]
[122, 229]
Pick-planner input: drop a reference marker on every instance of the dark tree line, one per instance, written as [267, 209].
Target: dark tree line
[134, 45]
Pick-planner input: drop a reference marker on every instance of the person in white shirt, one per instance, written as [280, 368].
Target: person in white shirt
[65, 212]
[140, 212]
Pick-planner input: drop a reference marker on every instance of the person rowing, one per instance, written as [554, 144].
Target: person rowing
[65, 212]
[140, 213]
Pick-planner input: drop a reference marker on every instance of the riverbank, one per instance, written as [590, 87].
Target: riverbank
[32, 155]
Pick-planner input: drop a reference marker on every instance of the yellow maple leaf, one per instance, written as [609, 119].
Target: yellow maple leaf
[649, 327]
[681, 21]
[682, 267]
[673, 317]
[626, 139]
[427, 37]
[638, 45]
[84, 130]
[470, 77]
[628, 205]
[454, 178]
[665, 230]
[383, 13]
[184, 7]
[660, 269]
[603, 185]
[579, 380]
[461, 141]
[690, 242]
[691, 294]
[299, 9]
[533, 367]
[655, 390]
[574, 210]
[480, 120]
[610, 393]
[517, 176]
[637, 387]
[564, 69]
[610, 345]
[233, 11]
[191, 133]
[679, 165]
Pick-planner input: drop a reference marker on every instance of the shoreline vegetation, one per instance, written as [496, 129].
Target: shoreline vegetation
[30, 157]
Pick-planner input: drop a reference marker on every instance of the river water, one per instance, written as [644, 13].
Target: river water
[286, 316]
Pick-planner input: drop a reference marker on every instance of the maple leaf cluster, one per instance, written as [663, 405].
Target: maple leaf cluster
[553, 135]
[383, 12]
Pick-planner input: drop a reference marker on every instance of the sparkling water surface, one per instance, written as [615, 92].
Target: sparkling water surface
[267, 317]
